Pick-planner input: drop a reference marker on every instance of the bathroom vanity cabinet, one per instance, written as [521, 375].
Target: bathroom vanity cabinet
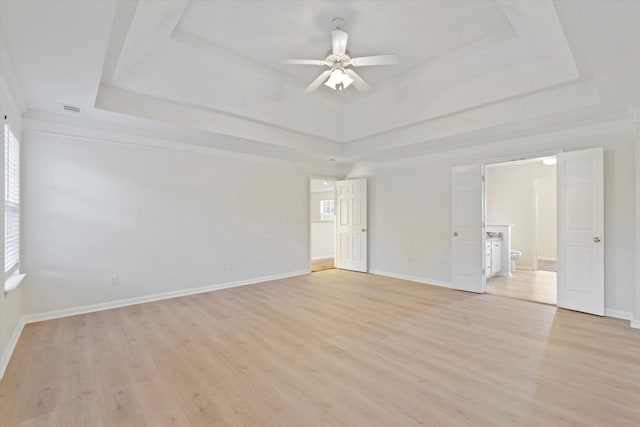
[493, 257]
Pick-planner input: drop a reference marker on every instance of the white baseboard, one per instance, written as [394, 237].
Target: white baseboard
[635, 323]
[412, 278]
[56, 314]
[11, 346]
[541, 258]
[321, 257]
[618, 314]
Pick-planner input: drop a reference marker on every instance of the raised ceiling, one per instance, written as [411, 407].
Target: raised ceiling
[466, 68]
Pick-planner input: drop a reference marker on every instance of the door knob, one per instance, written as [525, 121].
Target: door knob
[364, 229]
[455, 234]
[596, 239]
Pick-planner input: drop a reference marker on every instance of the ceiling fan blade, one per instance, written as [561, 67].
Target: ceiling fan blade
[360, 84]
[317, 82]
[303, 61]
[339, 42]
[374, 60]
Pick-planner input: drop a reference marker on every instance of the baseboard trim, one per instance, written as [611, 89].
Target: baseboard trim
[618, 314]
[547, 259]
[11, 346]
[412, 278]
[56, 314]
[321, 257]
[635, 323]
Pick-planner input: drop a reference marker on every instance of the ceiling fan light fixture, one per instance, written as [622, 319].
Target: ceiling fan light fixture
[338, 80]
[339, 76]
[346, 80]
[334, 79]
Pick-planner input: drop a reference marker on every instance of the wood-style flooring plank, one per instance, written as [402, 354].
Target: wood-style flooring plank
[329, 348]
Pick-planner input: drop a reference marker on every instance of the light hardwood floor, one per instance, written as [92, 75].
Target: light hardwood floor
[322, 264]
[539, 286]
[331, 348]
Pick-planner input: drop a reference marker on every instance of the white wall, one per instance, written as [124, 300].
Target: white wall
[546, 191]
[511, 199]
[322, 239]
[410, 210]
[635, 322]
[11, 302]
[162, 219]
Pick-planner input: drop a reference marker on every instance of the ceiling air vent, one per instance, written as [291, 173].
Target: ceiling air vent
[71, 109]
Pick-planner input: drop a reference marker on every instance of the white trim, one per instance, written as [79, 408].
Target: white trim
[519, 157]
[13, 282]
[56, 314]
[542, 258]
[618, 314]
[171, 138]
[549, 141]
[11, 346]
[322, 257]
[417, 279]
[633, 110]
[38, 317]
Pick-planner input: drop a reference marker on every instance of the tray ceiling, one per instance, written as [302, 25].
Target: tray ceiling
[213, 66]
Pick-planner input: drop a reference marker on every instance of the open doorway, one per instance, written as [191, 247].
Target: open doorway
[521, 239]
[322, 223]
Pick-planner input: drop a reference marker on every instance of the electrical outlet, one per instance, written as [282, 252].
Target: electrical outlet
[115, 280]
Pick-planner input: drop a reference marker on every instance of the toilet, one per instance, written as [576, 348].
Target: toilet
[514, 256]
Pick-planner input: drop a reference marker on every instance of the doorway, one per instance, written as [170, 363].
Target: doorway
[521, 235]
[322, 223]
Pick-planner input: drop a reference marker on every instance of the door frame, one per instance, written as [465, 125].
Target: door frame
[309, 231]
[507, 159]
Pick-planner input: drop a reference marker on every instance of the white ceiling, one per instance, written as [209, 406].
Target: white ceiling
[469, 70]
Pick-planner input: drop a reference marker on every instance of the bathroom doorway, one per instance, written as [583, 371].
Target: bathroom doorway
[322, 198]
[521, 241]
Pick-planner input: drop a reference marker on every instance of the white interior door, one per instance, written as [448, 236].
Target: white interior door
[468, 255]
[351, 224]
[580, 231]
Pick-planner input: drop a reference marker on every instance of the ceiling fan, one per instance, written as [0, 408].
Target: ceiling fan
[338, 76]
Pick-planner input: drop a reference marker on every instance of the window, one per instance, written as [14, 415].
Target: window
[11, 202]
[326, 210]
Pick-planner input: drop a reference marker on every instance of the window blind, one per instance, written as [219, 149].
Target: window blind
[11, 201]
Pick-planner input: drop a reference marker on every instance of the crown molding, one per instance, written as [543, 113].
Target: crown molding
[168, 137]
[505, 147]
